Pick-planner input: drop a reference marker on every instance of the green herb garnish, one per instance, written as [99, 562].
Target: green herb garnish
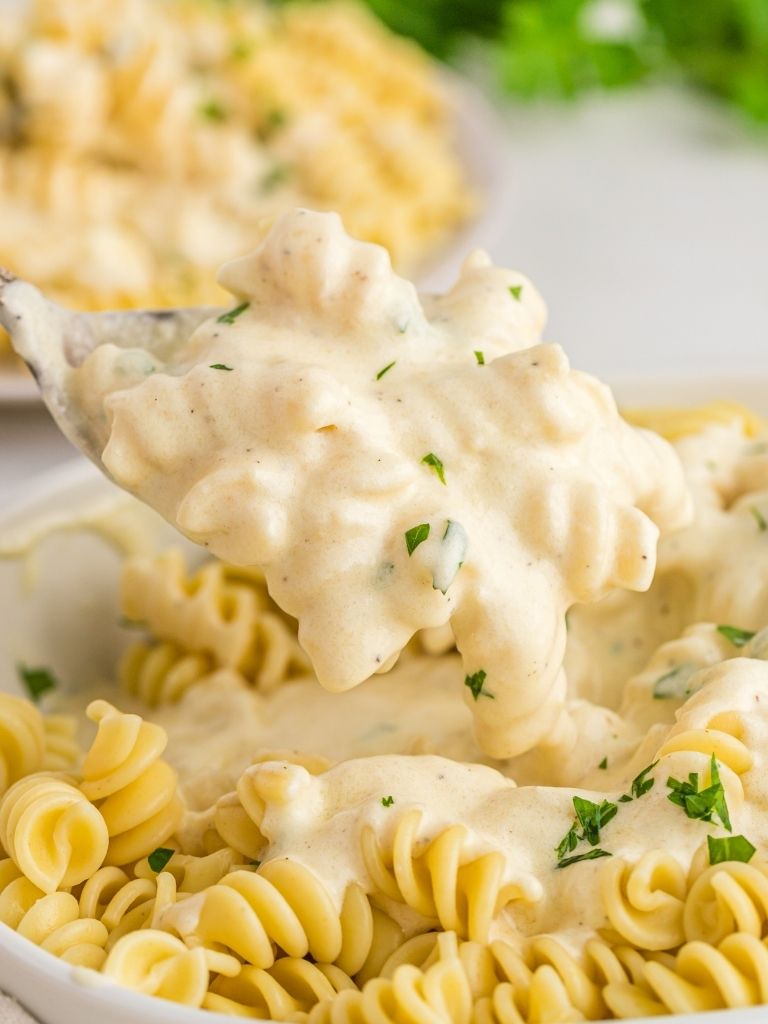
[232, 314]
[255, 863]
[701, 803]
[213, 110]
[730, 848]
[386, 369]
[37, 680]
[475, 684]
[220, 366]
[432, 460]
[673, 685]
[159, 858]
[415, 536]
[603, 764]
[387, 801]
[641, 785]
[760, 519]
[273, 178]
[480, 357]
[589, 855]
[516, 290]
[738, 637]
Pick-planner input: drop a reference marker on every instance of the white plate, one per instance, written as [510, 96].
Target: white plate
[482, 147]
[68, 621]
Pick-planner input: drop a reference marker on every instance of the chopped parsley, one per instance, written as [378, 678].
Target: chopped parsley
[159, 858]
[760, 519]
[480, 357]
[603, 764]
[275, 177]
[387, 801]
[590, 818]
[641, 785]
[475, 684]
[220, 366]
[386, 369]
[37, 680]
[730, 848]
[516, 290]
[231, 315]
[673, 685]
[213, 110]
[589, 855]
[432, 460]
[701, 803]
[255, 863]
[738, 637]
[415, 536]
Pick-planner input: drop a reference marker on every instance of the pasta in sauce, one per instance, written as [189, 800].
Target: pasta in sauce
[238, 838]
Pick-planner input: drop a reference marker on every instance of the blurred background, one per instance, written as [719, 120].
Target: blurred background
[616, 151]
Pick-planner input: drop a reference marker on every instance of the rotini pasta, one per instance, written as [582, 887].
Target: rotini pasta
[22, 739]
[133, 788]
[50, 830]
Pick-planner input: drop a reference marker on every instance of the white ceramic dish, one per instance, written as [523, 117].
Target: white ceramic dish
[483, 150]
[60, 609]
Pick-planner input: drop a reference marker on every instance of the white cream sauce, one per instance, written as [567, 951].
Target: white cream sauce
[293, 434]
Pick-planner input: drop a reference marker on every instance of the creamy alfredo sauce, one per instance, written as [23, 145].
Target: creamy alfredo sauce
[394, 463]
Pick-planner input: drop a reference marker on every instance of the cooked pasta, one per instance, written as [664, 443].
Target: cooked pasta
[146, 143]
[242, 840]
[133, 788]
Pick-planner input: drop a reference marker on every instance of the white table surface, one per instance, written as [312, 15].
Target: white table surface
[643, 219]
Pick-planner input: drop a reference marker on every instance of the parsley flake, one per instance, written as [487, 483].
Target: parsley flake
[415, 536]
[760, 519]
[641, 785]
[480, 357]
[387, 801]
[701, 803]
[159, 858]
[213, 110]
[673, 685]
[475, 684]
[738, 637]
[275, 177]
[255, 863]
[730, 848]
[37, 680]
[516, 290]
[386, 369]
[603, 764]
[232, 315]
[432, 460]
[590, 855]
[220, 366]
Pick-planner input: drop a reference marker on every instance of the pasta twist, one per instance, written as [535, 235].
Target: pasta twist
[161, 673]
[283, 904]
[219, 610]
[441, 882]
[62, 751]
[194, 874]
[439, 993]
[721, 736]
[51, 921]
[727, 898]
[290, 987]
[125, 904]
[22, 739]
[702, 976]
[135, 791]
[51, 831]
[159, 964]
[645, 901]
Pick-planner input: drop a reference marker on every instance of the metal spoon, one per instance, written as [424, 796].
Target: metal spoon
[53, 340]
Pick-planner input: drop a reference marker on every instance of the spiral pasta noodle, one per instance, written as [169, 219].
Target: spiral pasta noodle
[22, 739]
[50, 830]
[123, 904]
[440, 882]
[161, 673]
[134, 789]
[727, 898]
[290, 987]
[645, 902]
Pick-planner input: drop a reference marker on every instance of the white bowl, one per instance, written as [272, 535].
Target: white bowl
[61, 610]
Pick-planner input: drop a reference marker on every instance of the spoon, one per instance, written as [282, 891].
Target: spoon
[53, 340]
